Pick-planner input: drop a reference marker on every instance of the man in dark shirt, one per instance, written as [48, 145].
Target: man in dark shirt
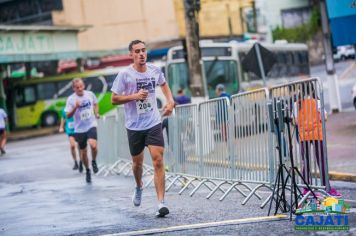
[220, 91]
[181, 98]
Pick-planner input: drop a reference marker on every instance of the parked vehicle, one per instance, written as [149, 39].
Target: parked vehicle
[344, 52]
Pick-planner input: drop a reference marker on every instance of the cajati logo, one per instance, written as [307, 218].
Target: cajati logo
[329, 214]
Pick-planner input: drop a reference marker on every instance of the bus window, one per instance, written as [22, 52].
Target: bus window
[178, 78]
[282, 64]
[221, 72]
[109, 80]
[64, 88]
[96, 84]
[46, 91]
[25, 96]
[294, 67]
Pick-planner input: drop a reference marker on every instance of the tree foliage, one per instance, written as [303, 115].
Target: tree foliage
[301, 33]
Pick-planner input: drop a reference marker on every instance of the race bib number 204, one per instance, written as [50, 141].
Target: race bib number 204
[143, 106]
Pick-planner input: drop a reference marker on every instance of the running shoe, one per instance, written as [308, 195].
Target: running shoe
[162, 210]
[80, 166]
[333, 192]
[136, 198]
[95, 167]
[88, 176]
[75, 167]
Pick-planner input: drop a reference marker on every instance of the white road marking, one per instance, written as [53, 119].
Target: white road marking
[201, 225]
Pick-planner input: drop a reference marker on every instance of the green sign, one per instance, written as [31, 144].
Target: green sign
[32, 43]
[20, 43]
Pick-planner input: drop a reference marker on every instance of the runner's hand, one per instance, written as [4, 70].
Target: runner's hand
[61, 130]
[77, 104]
[142, 94]
[168, 109]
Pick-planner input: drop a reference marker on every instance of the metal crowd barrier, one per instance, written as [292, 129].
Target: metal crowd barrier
[226, 145]
[113, 149]
[252, 140]
[302, 106]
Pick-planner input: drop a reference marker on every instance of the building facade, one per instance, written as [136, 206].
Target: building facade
[281, 13]
[111, 23]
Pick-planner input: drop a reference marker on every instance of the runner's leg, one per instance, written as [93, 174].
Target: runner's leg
[73, 145]
[3, 142]
[93, 147]
[159, 172]
[137, 168]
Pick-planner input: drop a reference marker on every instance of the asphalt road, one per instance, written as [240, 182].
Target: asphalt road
[41, 195]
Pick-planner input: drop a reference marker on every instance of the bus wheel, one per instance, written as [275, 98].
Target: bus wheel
[49, 119]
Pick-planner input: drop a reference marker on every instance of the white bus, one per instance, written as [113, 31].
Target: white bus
[222, 64]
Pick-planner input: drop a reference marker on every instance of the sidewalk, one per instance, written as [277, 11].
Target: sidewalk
[30, 133]
[341, 145]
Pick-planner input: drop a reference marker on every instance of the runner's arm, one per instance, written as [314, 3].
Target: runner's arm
[71, 113]
[170, 101]
[96, 110]
[117, 99]
[61, 129]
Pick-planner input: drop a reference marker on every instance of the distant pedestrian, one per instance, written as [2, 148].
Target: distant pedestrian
[181, 98]
[307, 114]
[3, 121]
[67, 126]
[220, 91]
[83, 106]
[135, 88]
[222, 111]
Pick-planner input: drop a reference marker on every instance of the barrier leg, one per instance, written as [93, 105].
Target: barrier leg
[266, 201]
[187, 185]
[253, 193]
[197, 187]
[229, 190]
[217, 187]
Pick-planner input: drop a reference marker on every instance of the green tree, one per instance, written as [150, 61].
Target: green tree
[301, 33]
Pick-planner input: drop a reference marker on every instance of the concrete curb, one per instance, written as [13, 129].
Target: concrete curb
[340, 176]
[27, 134]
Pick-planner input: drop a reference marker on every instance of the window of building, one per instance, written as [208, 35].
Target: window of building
[294, 17]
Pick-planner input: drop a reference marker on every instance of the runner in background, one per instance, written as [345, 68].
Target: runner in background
[67, 126]
[3, 121]
[83, 106]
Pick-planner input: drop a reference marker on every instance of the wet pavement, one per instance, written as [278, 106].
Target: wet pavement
[41, 195]
[341, 142]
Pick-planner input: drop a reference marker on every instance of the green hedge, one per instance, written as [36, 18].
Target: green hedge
[301, 33]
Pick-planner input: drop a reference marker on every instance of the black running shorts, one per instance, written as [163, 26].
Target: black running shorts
[82, 138]
[139, 139]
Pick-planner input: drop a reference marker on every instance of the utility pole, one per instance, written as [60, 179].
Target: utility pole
[192, 8]
[333, 85]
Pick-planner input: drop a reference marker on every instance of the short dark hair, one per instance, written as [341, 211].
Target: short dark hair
[134, 42]
[76, 80]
